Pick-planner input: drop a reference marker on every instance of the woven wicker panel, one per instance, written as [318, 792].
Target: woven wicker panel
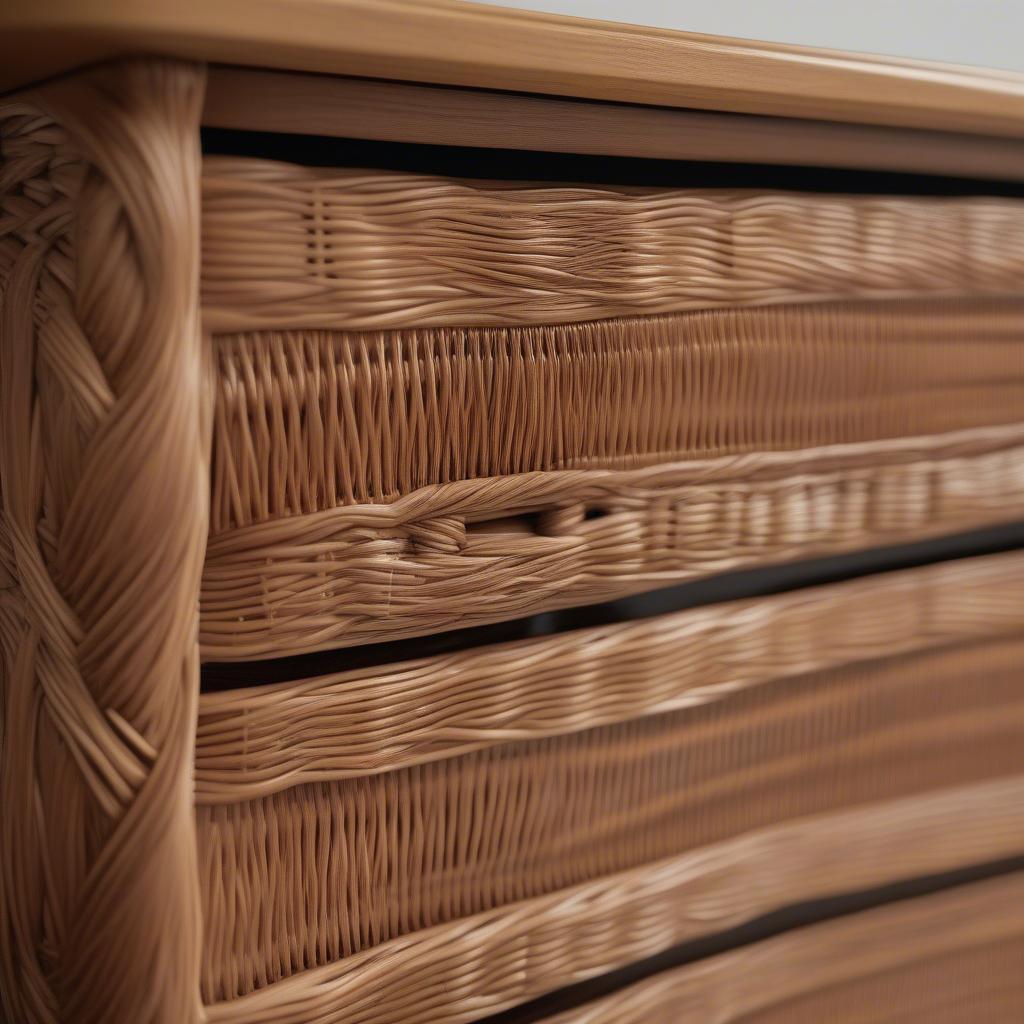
[366, 480]
[320, 871]
[307, 420]
[953, 958]
[287, 246]
[256, 741]
[448, 555]
[545, 943]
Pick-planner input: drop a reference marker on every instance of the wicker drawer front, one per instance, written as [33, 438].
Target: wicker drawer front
[952, 958]
[310, 420]
[331, 869]
[267, 422]
[385, 464]
[374, 810]
[288, 246]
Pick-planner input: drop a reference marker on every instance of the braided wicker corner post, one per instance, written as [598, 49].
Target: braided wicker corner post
[104, 460]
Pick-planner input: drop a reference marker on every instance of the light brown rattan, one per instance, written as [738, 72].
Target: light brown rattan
[307, 420]
[456, 973]
[258, 740]
[426, 562]
[104, 467]
[952, 957]
[319, 871]
[288, 247]
[328, 527]
[561, 416]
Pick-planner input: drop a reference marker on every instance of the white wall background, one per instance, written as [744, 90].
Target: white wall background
[989, 33]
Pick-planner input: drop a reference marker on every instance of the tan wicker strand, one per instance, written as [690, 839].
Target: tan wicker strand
[105, 512]
[287, 246]
[256, 741]
[950, 957]
[982, 983]
[536, 946]
[321, 871]
[449, 555]
[306, 420]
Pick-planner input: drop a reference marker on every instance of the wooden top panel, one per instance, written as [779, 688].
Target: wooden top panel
[445, 41]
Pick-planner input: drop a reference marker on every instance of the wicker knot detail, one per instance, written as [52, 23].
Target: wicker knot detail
[445, 534]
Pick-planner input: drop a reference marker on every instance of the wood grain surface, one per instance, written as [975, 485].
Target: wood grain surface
[445, 41]
[335, 106]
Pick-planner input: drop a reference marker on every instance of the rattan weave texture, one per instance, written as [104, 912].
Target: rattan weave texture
[289, 247]
[322, 870]
[104, 470]
[249, 410]
[308, 420]
[542, 944]
[952, 957]
[449, 555]
[365, 481]
[258, 740]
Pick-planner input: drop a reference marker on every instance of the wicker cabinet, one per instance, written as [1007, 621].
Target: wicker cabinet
[355, 402]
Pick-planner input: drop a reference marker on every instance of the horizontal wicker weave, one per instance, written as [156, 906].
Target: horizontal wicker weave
[323, 870]
[256, 741]
[307, 420]
[364, 481]
[287, 246]
[542, 944]
[361, 573]
[946, 959]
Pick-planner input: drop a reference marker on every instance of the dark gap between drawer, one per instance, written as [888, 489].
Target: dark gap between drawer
[798, 915]
[733, 586]
[531, 165]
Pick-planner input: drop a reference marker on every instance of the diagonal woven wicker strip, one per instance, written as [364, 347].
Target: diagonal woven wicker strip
[432, 561]
[287, 246]
[104, 465]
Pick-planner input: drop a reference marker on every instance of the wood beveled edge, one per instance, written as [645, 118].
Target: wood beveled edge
[730, 883]
[467, 44]
[323, 105]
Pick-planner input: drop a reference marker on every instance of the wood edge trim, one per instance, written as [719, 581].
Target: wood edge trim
[470, 44]
[311, 104]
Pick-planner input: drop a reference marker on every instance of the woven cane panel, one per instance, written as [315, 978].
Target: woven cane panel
[954, 957]
[255, 741]
[448, 555]
[434, 976]
[287, 246]
[307, 420]
[321, 871]
[373, 439]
